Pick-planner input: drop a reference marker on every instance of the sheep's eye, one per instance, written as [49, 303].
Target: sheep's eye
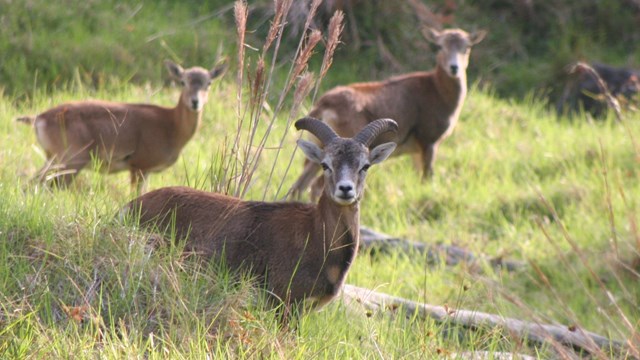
[183, 83]
[325, 167]
[365, 167]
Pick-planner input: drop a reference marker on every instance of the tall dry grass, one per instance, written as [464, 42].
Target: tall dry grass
[257, 101]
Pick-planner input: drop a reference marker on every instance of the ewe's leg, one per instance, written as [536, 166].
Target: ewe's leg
[138, 181]
[60, 175]
[428, 159]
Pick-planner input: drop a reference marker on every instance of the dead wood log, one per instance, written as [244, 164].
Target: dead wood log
[572, 337]
[488, 355]
[450, 254]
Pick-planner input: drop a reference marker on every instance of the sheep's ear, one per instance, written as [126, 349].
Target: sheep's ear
[431, 35]
[381, 152]
[175, 70]
[477, 36]
[217, 70]
[311, 151]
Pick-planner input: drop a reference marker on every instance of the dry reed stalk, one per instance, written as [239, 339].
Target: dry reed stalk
[241, 13]
[631, 342]
[333, 39]
[313, 9]
[243, 160]
[561, 351]
[257, 90]
[282, 8]
[336, 25]
[302, 90]
[566, 264]
[302, 59]
[257, 86]
[299, 66]
[607, 189]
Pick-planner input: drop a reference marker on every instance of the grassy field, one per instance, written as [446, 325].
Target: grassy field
[513, 181]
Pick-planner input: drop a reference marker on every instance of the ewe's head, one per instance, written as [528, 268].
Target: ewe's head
[455, 47]
[345, 161]
[195, 83]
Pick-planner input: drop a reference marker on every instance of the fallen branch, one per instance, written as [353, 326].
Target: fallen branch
[488, 355]
[451, 254]
[541, 334]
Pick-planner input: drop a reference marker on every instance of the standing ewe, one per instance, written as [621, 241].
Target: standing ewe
[426, 105]
[141, 138]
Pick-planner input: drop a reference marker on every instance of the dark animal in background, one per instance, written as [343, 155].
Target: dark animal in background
[582, 91]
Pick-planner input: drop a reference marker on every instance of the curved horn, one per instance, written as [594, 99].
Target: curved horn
[370, 132]
[321, 130]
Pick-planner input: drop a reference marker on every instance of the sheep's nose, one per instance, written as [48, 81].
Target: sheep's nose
[345, 188]
[194, 104]
[454, 69]
[345, 193]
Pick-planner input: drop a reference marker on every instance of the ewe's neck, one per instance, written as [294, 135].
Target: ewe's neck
[452, 90]
[186, 122]
[340, 226]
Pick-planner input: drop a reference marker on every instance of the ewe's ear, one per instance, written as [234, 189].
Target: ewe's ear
[217, 70]
[175, 70]
[311, 151]
[431, 35]
[477, 36]
[381, 152]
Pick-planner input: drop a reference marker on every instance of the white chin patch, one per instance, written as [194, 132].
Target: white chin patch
[343, 201]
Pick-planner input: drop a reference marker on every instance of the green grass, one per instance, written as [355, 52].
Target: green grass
[512, 181]
[45, 44]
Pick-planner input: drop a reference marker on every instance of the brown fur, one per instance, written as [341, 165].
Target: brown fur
[426, 105]
[140, 138]
[292, 247]
[298, 251]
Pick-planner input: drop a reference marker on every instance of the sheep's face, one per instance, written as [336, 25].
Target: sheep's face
[345, 163]
[195, 83]
[455, 47]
